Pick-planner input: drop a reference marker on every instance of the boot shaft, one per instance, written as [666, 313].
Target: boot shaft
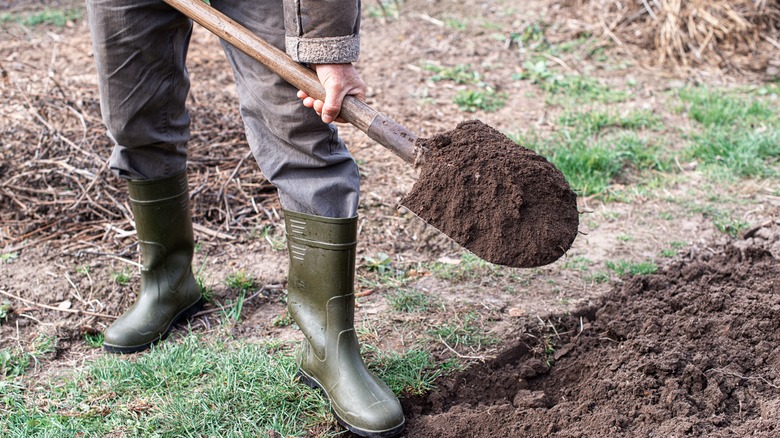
[321, 300]
[322, 272]
[163, 220]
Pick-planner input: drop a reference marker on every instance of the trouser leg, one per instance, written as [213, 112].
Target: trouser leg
[140, 49]
[302, 156]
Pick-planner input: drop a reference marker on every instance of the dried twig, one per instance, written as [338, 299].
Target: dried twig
[44, 306]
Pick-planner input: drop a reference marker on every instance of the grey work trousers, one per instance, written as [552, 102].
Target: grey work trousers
[140, 50]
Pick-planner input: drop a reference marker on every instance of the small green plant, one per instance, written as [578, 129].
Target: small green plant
[9, 257]
[283, 320]
[625, 267]
[624, 238]
[672, 249]
[728, 224]
[94, 340]
[83, 270]
[408, 301]
[5, 310]
[381, 263]
[123, 277]
[275, 242]
[531, 37]
[206, 291]
[549, 350]
[240, 280]
[232, 309]
[486, 99]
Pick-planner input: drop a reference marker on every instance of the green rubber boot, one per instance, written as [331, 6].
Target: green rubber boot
[169, 291]
[321, 300]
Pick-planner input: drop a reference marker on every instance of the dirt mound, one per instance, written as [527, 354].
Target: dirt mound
[503, 202]
[691, 350]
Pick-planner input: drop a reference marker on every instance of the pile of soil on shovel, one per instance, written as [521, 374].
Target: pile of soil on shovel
[501, 201]
[693, 350]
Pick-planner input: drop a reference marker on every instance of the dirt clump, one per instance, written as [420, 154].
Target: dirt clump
[501, 201]
[691, 350]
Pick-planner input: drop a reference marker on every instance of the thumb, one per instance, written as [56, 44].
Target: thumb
[332, 104]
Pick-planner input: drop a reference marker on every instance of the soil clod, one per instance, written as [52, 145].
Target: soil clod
[501, 201]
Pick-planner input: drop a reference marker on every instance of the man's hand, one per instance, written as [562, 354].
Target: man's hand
[339, 80]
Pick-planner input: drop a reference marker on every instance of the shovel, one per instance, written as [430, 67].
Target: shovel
[526, 216]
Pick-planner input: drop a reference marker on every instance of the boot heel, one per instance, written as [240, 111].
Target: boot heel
[190, 312]
[308, 381]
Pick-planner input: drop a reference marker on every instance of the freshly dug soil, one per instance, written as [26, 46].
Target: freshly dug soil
[501, 201]
[693, 350]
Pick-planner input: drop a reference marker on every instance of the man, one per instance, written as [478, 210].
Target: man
[140, 50]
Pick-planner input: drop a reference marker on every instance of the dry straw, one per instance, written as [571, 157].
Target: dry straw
[728, 34]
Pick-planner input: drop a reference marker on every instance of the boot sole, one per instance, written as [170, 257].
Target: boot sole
[311, 382]
[182, 316]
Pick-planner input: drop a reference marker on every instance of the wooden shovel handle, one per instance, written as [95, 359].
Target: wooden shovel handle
[378, 126]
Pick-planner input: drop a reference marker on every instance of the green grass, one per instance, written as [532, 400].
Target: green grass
[408, 301]
[53, 17]
[15, 361]
[463, 331]
[94, 340]
[739, 134]
[744, 152]
[595, 149]
[459, 74]
[567, 89]
[577, 263]
[482, 98]
[188, 388]
[672, 249]
[412, 372]
[195, 386]
[718, 107]
[469, 268]
[593, 122]
[625, 267]
[486, 99]
[724, 220]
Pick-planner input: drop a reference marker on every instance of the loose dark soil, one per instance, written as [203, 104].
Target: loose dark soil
[692, 350]
[503, 202]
